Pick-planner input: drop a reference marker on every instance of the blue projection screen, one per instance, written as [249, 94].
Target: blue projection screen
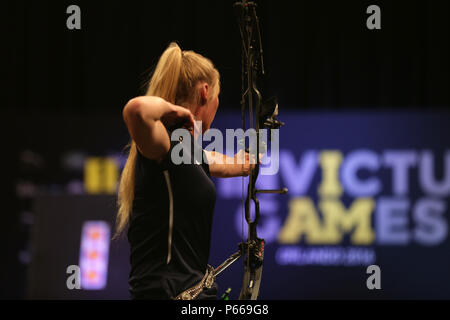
[365, 188]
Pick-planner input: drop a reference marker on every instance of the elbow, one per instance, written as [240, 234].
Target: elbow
[132, 110]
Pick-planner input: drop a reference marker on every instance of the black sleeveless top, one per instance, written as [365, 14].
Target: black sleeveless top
[170, 227]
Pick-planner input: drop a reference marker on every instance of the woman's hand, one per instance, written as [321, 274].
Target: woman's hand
[246, 161]
[178, 117]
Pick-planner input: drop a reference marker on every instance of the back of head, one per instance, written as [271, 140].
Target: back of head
[177, 74]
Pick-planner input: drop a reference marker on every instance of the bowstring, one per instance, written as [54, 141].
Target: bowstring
[244, 51]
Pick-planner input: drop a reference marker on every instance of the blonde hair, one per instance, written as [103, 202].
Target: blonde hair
[174, 79]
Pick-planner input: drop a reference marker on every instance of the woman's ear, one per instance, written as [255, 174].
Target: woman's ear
[204, 91]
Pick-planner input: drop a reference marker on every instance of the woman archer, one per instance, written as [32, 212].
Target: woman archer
[169, 208]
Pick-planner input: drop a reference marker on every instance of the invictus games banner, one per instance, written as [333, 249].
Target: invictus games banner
[368, 198]
[366, 215]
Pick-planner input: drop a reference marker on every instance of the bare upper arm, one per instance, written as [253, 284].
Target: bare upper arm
[150, 136]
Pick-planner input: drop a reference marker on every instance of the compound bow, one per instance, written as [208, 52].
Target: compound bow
[264, 117]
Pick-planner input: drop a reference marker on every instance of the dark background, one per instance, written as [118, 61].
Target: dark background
[319, 55]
